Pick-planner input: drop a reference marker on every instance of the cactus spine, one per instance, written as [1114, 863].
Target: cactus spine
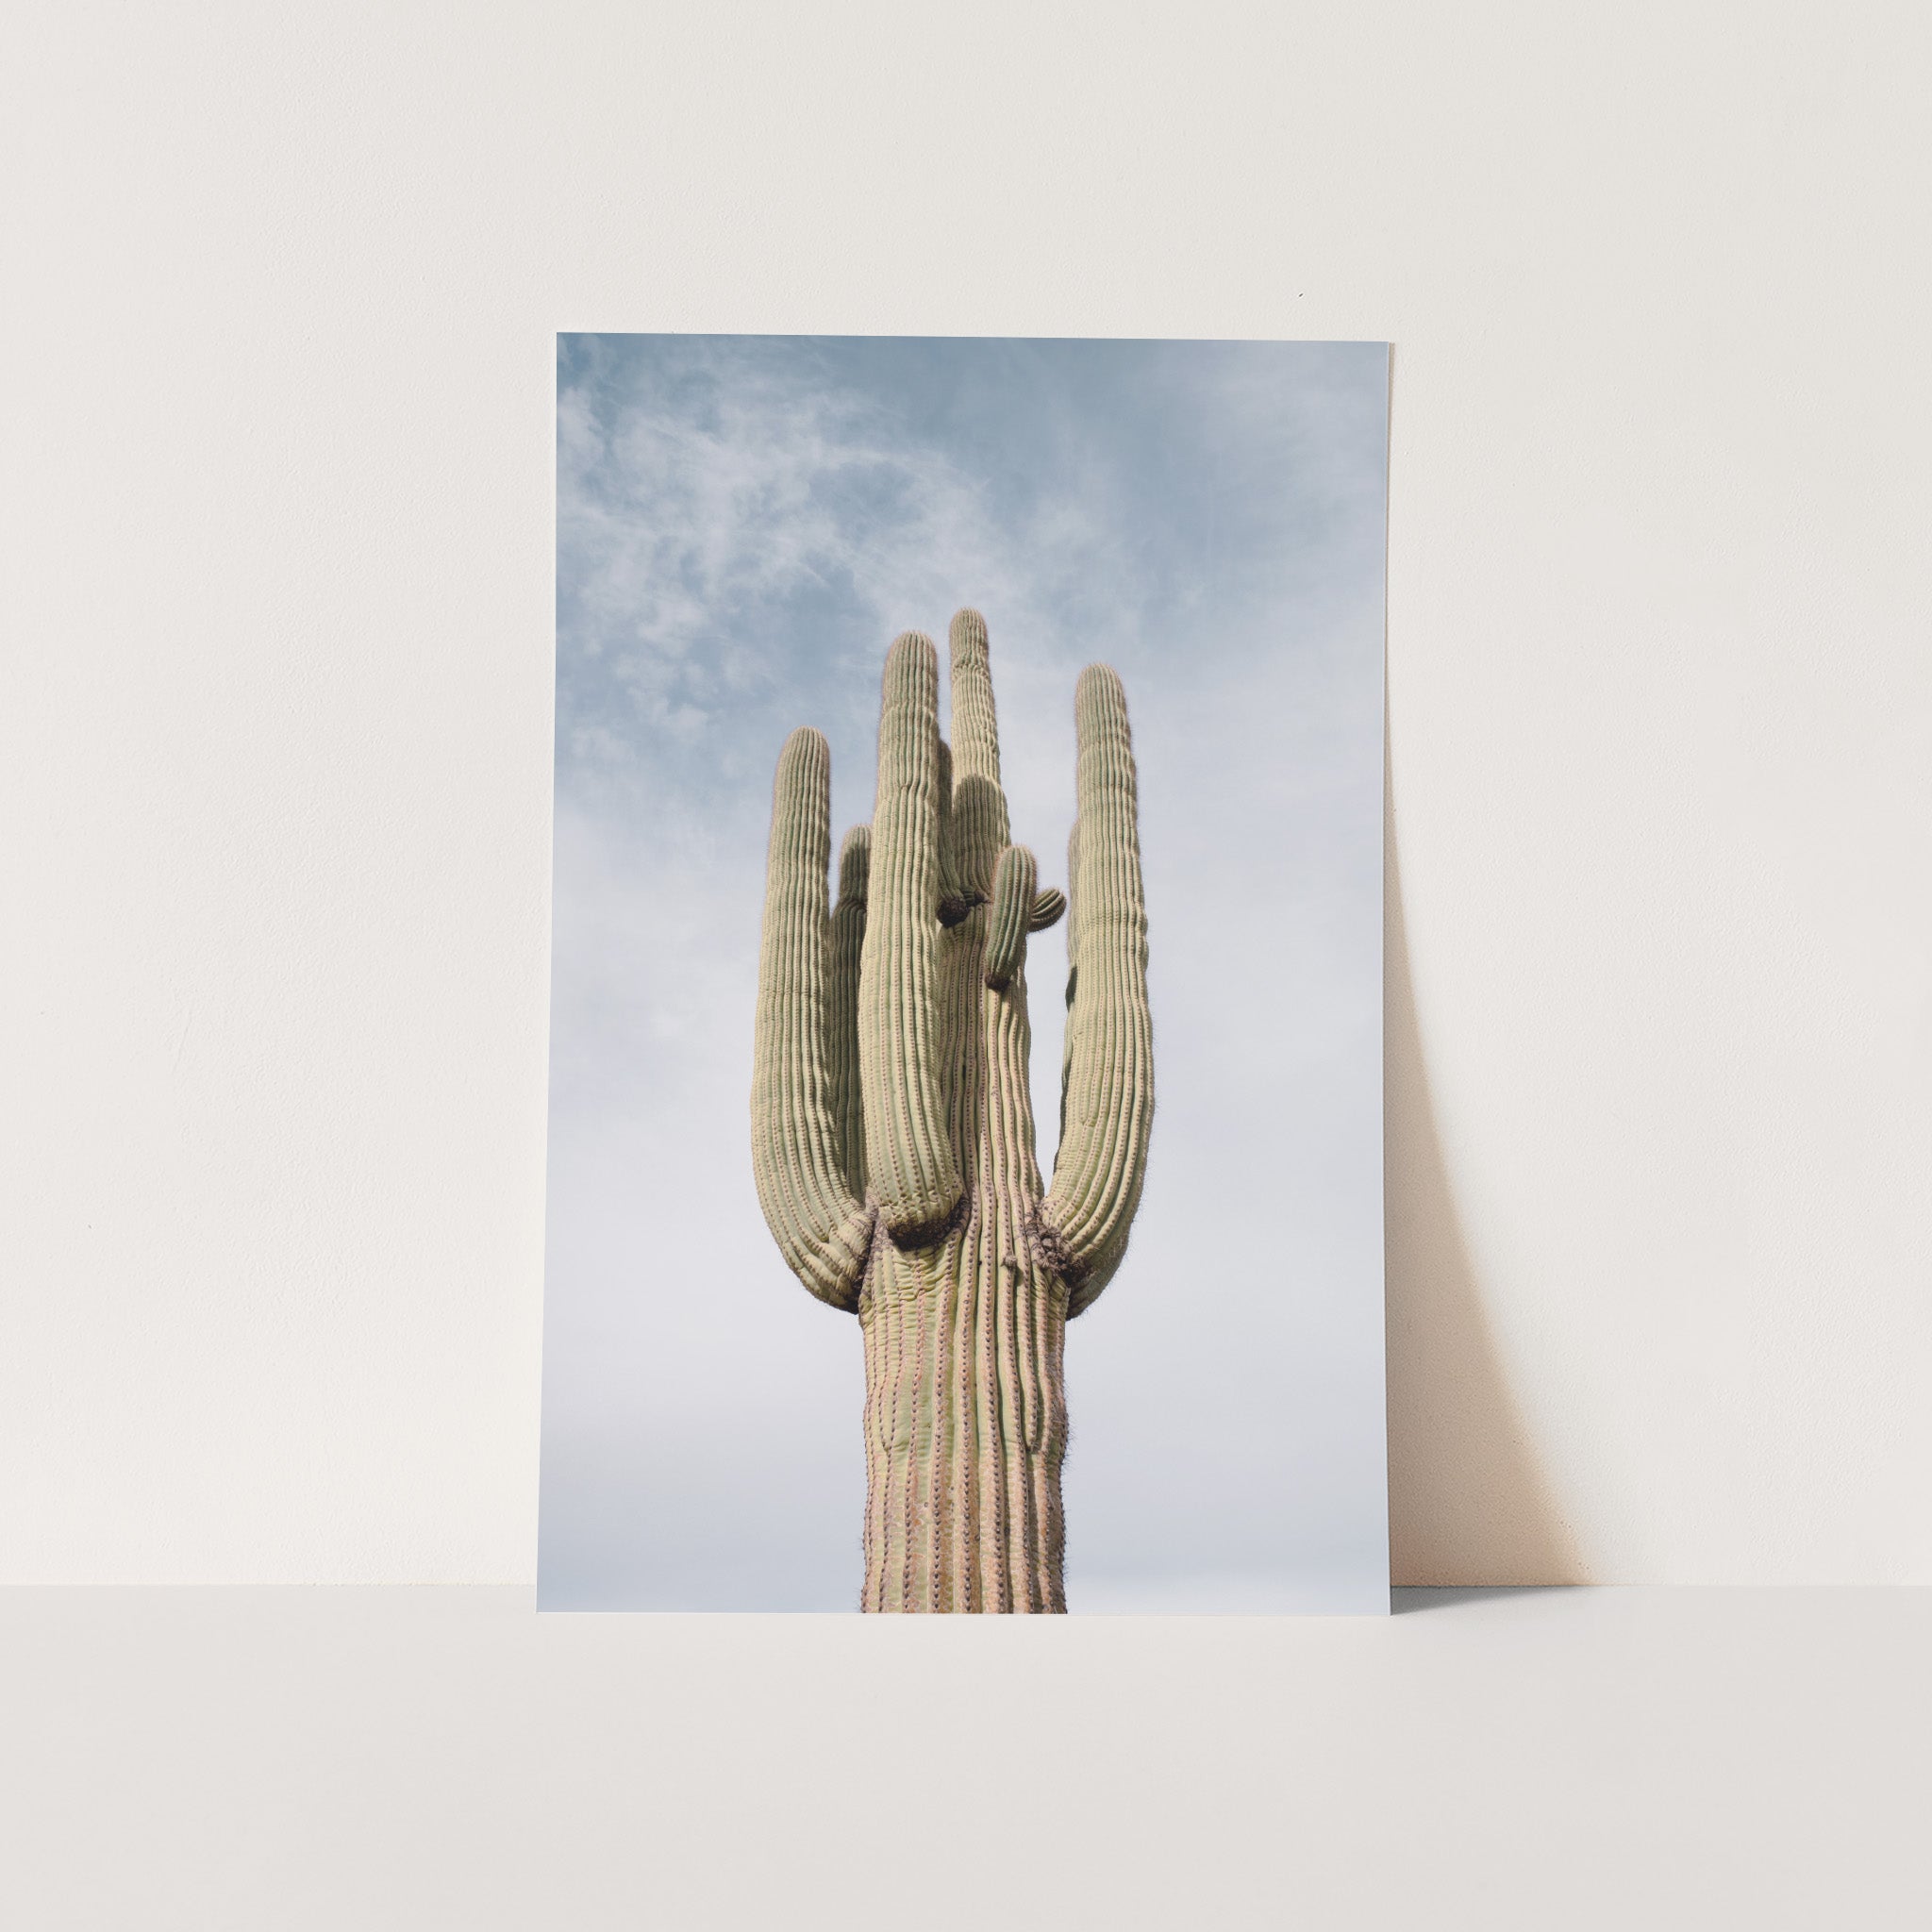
[893, 1126]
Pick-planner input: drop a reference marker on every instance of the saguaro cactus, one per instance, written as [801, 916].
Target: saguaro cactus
[892, 1127]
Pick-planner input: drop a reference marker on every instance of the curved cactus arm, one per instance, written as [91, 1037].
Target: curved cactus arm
[1047, 908]
[908, 1156]
[821, 1224]
[841, 1031]
[1110, 1071]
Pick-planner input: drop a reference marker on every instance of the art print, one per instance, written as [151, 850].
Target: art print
[966, 1092]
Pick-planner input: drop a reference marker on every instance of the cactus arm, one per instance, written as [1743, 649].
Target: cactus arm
[956, 898]
[909, 1162]
[980, 828]
[1047, 909]
[1073, 976]
[1014, 880]
[1102, 1153]
[842, 1032]
[976, 725]
[820, 1222]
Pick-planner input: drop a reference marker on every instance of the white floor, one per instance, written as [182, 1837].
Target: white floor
[426, 1758]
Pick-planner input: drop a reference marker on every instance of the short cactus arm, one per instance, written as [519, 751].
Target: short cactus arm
[908, 1156]
[1109, 1069]
[821, 1225]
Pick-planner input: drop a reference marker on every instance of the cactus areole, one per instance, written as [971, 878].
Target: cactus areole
[892, 1128]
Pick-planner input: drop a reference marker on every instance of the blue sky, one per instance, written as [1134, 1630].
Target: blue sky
[744, 523]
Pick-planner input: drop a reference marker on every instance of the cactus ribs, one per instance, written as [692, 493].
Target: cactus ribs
[893, 1125]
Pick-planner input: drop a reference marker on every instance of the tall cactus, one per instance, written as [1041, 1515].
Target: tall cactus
[892, 1127]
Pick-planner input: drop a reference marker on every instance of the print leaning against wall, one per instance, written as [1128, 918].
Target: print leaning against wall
[759, 539]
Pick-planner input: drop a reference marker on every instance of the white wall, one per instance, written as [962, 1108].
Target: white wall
[273, 812]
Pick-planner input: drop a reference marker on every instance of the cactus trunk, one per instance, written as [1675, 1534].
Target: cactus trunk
[965, 1431]
[965, 1404]
[893, 1125]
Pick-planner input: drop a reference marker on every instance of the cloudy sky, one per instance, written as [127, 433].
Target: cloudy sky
[744, 523]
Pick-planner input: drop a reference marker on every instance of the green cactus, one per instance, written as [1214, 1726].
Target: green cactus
[892, 1128]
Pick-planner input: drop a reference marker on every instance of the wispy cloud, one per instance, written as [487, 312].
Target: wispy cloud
[735, 525]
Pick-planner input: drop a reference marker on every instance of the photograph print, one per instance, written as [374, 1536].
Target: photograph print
[965, 1149]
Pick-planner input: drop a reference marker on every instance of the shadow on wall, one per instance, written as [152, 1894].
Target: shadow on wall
[1468, 1503]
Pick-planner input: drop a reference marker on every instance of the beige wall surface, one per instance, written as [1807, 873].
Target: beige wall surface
[275, 482]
